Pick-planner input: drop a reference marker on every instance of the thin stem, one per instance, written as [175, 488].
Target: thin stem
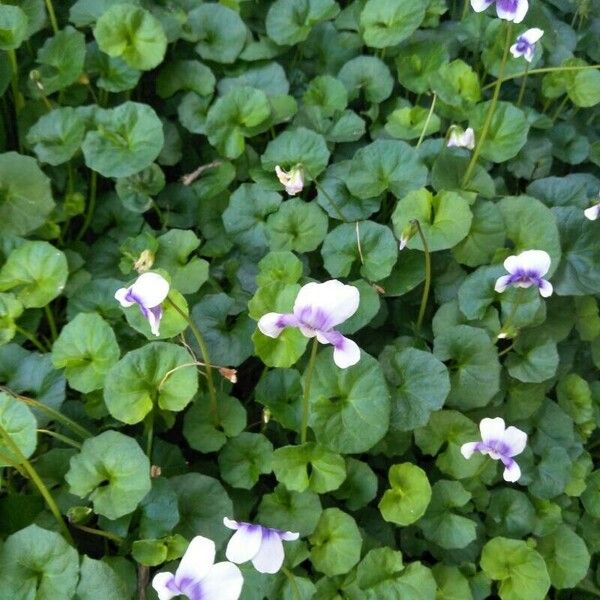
[306, 397]
[321, 189]
[52, 15]
[506, 350]
[63, 438]
[491, 110]
[22, 460]
[51, 322]
[17, 96]
[105, 534]
[523, 84]
[360, 254]
[544, 70]
[465, 11]
[560, 108]
[427, 120]
[11, 463]
[425, 297]
[31, 338]
[149, 433]
[212, 393]
[292, 581]
[91, 204]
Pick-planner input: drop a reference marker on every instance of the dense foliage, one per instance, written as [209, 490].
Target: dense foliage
[144, 136]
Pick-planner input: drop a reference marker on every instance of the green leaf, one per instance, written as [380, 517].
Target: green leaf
[115, 486]
[384, 23]
[98, 580]
[451, 583]
[409, 123]
[147, 377]
[20, 425]
[137, 191]
[13, 27]
[367, 243]
[326, 93]
[510, 512]
[360, 485]
[290, 21]
[520, 570]
[308, 466]
[369, 76]
[86, 348]
[219, 31]
[159, 510]
[36, 272]
[575, 398]
[37, 563]
[10, 310]
[444, 218]
[25, 196]
[269, 77]
[188, 75]
[280, 391]
[133, 34]
[473, 365]
[335, 544]
[408, 497]
[533, 359]
[349, 407]
[57, 136]
[114, 74]
[417, 62]
[377, 569]
[419, 385]
[584, 88]
[457, 87]
[245, 458]
[386, 165]
[126, 140]
[591, 496]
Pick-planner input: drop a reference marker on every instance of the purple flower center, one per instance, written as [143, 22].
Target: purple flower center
[496, 446]
[508, 5]
[316, 319]
[526, 277]
[522, 44]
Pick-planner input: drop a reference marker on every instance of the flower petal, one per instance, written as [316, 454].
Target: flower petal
[122, 295]
[346, 353]
[289, 536]
[164, 584]
[502, 283]
[150, 289]
[545, 288]
[532, 35]
[223, 582]
[514, 50]
[270, 556]
[196, 562]
[231, 524]
[468, 449]
[512, 471]
[154, 315]
[481, 5]
[332, 300]
[515, 440]
[245, 543]
[591, 213]
[512, 10]
[491, 429]
[272, 324]
[531, 261]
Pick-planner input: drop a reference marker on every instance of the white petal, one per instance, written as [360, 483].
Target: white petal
[528, 55]
[481, 5]
[231, 524]
[533, 35]
[154, 315]
[515, 439]
[593, 212]
[502, 283]
[270, 556]
[512, 472]
[545, 288]
[289, 536]
[515, 52]
[335, 299]
[522, 8]
[120, 295]
[196, 562]
[150, 289]
[469, 138]
[224, 582]
[346, 354]
[529, 260]
[491, 429]
[468, 449]
[161, 582]
[505, 10]
[270, 324]
[244, 544]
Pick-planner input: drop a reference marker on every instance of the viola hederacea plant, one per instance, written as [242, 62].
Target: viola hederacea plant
[330, 268]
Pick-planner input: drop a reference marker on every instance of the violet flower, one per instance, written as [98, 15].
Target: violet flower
[527, 269]
[318, 308]
[499, 443]
[509, 10]
[292, 180]
[198, 578]
[593, 212]
[262, 545]
[525, 44]
[148, 291]
[460, 138]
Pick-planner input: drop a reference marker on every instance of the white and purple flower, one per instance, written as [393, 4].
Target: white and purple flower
[509, 10]
[527, 269]
[593, 212]
[148, 291]
[262, 545]
[198, 578]
[525, 44]
[500, 443]
[292, 180]
[460, 138]
[319, 307]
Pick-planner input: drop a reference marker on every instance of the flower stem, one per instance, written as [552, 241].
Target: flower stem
[105, 534]
[323, 191]
[52, 15]
[523, 84]
[544, 70]
[63, 438]
[427, 120]
[28, 467]
[212, 393]
[149, 433]
[51, 322]
[427, 287]
[31, 338]
[306, 397]
[17, 96]
[560, 108]
[91, 205]
[491, 110]
[465, 11]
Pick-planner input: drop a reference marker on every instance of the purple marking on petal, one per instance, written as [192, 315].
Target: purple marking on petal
[523, 45]
[497, 447]
[314, 318]
[286, 321]
[508, 5]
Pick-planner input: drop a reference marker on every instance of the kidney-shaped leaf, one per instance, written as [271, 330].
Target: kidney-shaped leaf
[20, 425]
[386, 23]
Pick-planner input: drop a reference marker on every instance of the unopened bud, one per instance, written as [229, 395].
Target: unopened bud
[292, 180]
[144, 262]
[229, 374]
[407, 233]
[155, 471]
[266, 416]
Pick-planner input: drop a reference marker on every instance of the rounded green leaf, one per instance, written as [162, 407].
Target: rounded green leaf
[360, 485]
[36, 272]
[20, 425]
[335, 544]
[533, 359]
[25, 194]
[367, 243]
[245, 458]
[126, 140]
[408, 497]
[86, 348]
[152, 375]
[13, 27]
[132, 33]
[388, 22]
[37, 563]
[189, 75]
[444, 218]
[114, 74]
[10, 310]
[137, 191]
[409, 123]
[367, 75]
[350, 408]
[98, 579]
[113, 471]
